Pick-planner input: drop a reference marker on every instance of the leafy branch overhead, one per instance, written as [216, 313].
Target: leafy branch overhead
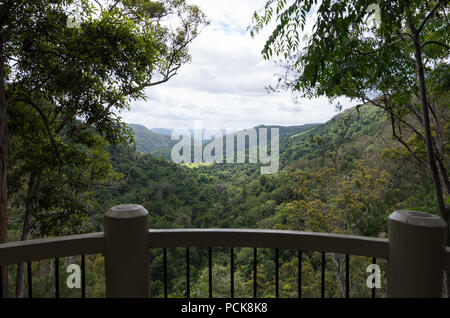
[346, 55]
[399, 64]
[89, 71]
[74, 80]
[68, 68]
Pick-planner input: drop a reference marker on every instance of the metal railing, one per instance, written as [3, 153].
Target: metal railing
[127, 240]
[255, 273]
[301, 242]
[52, 248]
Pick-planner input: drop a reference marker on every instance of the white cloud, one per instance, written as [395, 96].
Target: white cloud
[224, 86]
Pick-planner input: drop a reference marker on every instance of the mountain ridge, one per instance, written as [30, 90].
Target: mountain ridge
[158, 141]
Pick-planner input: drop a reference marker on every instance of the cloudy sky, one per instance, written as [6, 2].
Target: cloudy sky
[223, 86]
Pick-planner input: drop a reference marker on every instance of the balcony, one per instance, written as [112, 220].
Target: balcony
[415, 251]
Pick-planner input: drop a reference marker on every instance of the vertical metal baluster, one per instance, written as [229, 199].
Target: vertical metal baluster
[83, 276]
[347, 276]
[210, 270]
[30, 280]
[299, 282]
[277, 252]
[374, 261]
[1, 283]
[188, 278]
[322, 290]
[165, 271]
[232, 272]
[255, 283]
[57, 277]
[150, 295]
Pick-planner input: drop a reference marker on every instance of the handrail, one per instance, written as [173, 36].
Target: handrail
[305, 241]
[416, 252]
[447, 259]
[46, 248]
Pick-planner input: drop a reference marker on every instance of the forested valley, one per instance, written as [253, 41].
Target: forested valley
[344, 176]
[71, 69]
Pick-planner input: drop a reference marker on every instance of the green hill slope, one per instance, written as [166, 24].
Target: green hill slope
[148, 141]
[343, 130]
[333, 177]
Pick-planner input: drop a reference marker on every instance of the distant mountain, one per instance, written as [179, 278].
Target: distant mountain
[148, 141]
[157, 141]
[284, 133]
[163, 131]
[168, 131]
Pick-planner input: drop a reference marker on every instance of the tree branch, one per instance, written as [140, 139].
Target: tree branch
[435, 42]
[46, 124]
[408, 35]
[391, 112]
[376, 50]
[430, 14]
[400, 140]
[444, 173]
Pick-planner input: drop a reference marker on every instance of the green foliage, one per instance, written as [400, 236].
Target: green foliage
[58, 195]
[315, 192]
[398, 64]
[148, 141]
[71, 157]
[344, 185]
[347, 55]
[334, 141]
[65, 85]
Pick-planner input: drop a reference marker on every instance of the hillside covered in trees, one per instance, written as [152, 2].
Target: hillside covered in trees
[148, 141]
[66, 155]
[348, 170]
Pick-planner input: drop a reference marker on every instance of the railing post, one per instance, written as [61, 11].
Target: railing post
[416, 260]
[126, 252]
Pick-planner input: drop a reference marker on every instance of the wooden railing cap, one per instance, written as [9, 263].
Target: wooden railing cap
[417, 218]
[126, 211]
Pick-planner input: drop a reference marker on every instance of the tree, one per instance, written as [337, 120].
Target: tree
[328, 201]
[399, 64]
[76, 76]
[52, 200]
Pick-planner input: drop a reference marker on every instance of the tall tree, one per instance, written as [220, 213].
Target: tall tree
[47, 198]
[397, 61]
[84, 70]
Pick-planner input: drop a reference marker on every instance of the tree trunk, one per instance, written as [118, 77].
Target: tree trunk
[27, 225]
[435, 175]
[21, 267]
[3, 168]
[338, 262]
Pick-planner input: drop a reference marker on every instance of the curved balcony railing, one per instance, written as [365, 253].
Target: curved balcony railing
[126, 242]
